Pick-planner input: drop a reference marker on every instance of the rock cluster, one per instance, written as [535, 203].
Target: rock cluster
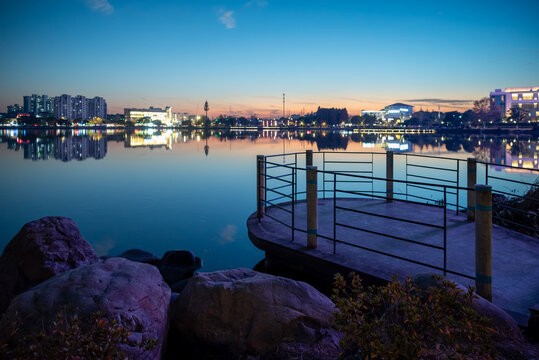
[49, 268]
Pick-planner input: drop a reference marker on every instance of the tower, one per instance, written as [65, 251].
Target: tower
[284, 114]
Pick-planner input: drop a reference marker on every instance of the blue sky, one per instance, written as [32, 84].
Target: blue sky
[242, 55]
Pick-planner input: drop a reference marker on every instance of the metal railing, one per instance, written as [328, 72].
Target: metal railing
[510, 200]
[282, 190]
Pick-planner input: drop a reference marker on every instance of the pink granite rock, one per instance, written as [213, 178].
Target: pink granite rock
[241, 311]
[42, 249]
[132, 293]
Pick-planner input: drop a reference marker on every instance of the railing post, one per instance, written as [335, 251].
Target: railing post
[312, 207]
[260, 186]
[472, 180]
[308, 158]
[483, 241]
[389, 176]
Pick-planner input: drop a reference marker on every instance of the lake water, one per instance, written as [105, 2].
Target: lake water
[162, 190]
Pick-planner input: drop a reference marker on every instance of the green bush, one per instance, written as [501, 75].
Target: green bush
[68, 338]
[402, 321]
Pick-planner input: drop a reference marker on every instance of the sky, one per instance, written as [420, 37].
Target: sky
[241, 56]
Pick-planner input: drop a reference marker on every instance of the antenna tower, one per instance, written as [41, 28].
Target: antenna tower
[284, 101]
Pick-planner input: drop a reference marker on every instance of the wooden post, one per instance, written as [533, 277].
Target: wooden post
[260, 185]
[472, 180]
[483, 241]
[389, 176]
[312, 207]
[309, 158]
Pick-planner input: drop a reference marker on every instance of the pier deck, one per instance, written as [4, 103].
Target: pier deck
[515, 256]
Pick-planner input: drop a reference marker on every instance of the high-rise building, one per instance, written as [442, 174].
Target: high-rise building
[97, 108]
[80, 107]
[63, 107]
[526, 98]
[38, 105]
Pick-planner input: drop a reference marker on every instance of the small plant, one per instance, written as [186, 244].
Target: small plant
[68, 338]
[402, 321]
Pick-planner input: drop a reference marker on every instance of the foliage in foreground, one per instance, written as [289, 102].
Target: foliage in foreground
[68, 338]
[402, 321]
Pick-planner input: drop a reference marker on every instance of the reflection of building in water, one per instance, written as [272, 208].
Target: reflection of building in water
[522, 154]
[38, 150]
[398, 146]
[60, 148]
[148, 139]
[79, 148]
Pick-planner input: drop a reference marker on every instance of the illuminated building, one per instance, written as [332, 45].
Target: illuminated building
[397, 111]
[97, 108]
[526, 98]
[179, 118]
[164, 116]
[38, 105]
[14, 109]
[63, 107]
[80, 107]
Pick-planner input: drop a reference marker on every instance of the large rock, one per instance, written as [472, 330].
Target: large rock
[133, 293]
[242, 311]
[506, 327]
[178, 265]
[42, 249]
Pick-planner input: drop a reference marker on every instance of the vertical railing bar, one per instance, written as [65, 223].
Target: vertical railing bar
[486, 174]
[293, 202]
[296, 183]
[458, 168]
[406, 167]
[324, 174]
[334, 213]
[265, 182]
[445, 230]
[372, 175]
[258, 187]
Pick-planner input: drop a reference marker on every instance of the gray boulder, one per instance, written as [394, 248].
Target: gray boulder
[132, 293]
[242, 311]
[42, 249]
[141, 256]
[178, 265]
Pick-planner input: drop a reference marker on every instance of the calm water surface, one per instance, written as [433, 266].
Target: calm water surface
[162, 190]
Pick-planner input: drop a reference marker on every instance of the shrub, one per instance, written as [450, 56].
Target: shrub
[68, 338]
[402, 321]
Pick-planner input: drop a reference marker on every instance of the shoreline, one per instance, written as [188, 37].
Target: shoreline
[410, 130]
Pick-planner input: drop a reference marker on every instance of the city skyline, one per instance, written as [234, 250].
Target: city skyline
[242, 55]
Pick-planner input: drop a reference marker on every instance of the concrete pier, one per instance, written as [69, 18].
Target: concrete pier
[515, 256]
